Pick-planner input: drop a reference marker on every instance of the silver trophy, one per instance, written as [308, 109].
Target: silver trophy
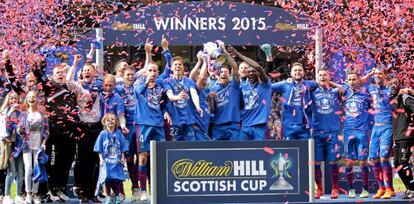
[280, 166]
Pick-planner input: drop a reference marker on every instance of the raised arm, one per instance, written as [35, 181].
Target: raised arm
[249, 61]
[365, 78]
[148, 57]
[196, 69]
[204, 71]
[168, 57]
[70, 76]
[232, 62]
[14, 83]
[196, 100]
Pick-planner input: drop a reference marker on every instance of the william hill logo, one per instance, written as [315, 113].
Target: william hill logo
[127, 26]
[188, 168]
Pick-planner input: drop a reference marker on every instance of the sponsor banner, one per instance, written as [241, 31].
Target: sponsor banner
[195, 23]
[212, 172]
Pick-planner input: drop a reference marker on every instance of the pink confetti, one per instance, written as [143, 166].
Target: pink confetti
[269, 150]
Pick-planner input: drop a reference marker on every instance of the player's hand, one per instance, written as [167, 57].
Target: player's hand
[221, 45]
[148, 46]
[200, 111]
[101, 162]
[232, 51]
[164, 43]
[124, 129]
[167, 117]
[340, 138]
[182, 95]
[212, 94]
[200, 56]
[77, 59]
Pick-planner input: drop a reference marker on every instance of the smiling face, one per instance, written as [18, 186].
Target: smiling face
[224, 75]
[13, 98]
[177, 66]
[395, 86]
[31, 99]
[297, 72]
[129, 76]
[253, 75]
[88, 73]
[152, 70]
[59, 74]
[110, 122]
[108, 83]
[353, 80]
[31, 81]
[243, 69]
[380, 76]
[324, 76]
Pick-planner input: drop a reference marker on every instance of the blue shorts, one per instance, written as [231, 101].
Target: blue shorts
[132, 140]
[200, 135]
[256, 132]
[356, 144]
[326, 146]
[146, 134]
[183, 132]
[295, 132]
[227, 131]
[380, 141]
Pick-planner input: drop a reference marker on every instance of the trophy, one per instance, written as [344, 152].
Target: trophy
[216, 54]
[280, 166]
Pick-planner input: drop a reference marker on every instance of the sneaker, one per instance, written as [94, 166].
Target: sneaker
[351, 193]
[62, 196]
[335, 193]
[364, 194]
[52, 198]
[135, 194]
[379, 193]
[28, 199]
[319, 193]
[77, 192]
[110, 200]
[388, 194]
[121, 196]
[118, 200]
[19, 199]
[7, 200]
[143, 196]
[95, 200]
[36, 200]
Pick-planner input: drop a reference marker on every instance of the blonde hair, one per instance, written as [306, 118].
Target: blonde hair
[37, 106]
[105, 118]
[6, 103]
[117, 66]
[109, 77]
[177, 58]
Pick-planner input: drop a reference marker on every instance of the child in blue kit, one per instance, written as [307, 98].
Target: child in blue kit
[111, 146]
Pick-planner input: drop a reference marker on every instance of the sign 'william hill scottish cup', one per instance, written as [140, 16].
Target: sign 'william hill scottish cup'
[195, 23]
[217, 172]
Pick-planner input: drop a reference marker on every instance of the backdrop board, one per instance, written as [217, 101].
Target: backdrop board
[195, 23]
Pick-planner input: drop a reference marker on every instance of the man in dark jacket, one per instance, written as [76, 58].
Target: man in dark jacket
[403, 126]
[63, 127]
